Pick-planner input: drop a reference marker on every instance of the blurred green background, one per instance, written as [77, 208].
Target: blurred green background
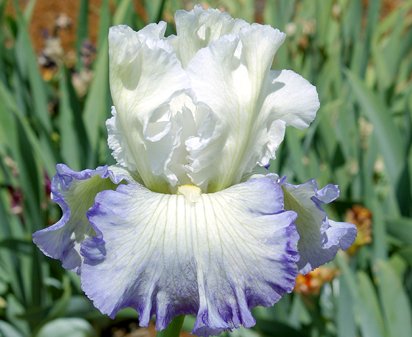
[54, 99]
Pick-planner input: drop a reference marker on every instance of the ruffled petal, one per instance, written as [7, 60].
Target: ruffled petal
[212, 255]
[290, 98]
[197, 28]
[221, 67]
[75, 193]
[118, 143]
[144, 74]
[204, 147]
[320, 238]
[237, 71]
[180, 138]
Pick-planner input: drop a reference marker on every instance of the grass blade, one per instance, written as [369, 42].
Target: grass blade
[388, 135]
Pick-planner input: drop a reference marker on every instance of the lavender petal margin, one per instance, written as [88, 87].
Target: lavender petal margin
[117, 273]
[319, 241]
[56, 241]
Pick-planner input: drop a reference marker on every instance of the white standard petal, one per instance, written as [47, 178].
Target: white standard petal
[290, 98]
[197, 28]
[237, 71]
[204, 147]
[144, 74]
[212, 255]
[180, 139]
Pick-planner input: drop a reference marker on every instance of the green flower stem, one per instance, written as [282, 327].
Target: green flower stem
[173, 329]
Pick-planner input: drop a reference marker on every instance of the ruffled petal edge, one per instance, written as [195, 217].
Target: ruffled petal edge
[58, 241]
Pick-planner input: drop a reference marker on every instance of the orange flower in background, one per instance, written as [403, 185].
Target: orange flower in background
[311, 283]
[362, 218]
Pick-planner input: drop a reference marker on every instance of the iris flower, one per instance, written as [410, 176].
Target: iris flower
[183, 224]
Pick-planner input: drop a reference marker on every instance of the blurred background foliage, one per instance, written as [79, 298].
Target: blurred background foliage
[54, 99]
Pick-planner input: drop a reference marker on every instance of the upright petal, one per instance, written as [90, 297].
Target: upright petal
[237, 69]
[223, 65]
[180, 138]
[176, 135]
[212, 255]
[291, 98]
[204, 146]
[320, 238]
[198, 28]
[144, 74]
[75, 193]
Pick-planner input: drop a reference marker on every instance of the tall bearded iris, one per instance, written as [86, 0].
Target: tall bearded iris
[181, 225]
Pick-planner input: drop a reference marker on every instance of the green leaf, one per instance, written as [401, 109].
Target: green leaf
[173, 329]
[366, 306]
[97, 102]
[7, 330]
[395, 303]
[79, 306]
[295, 154]
[104, 23]
[7, 126]
[298, 314]
[28, 64]
[406, 254]
[38, 148]
[14, 310]
[8, 259]
[271, 328]
[67, 327]
[74, 144]
[345, 317]
[121, 12]
[60, 306]
[388, 135]
[369, 313]
[17, 245]
[401, 228]
[82, 29]
[152, 7]
[380, 244]
[28, 10]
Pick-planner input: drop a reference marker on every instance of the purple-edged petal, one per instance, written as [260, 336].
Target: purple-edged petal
[212, 255]
[320, 238]
[75, 193]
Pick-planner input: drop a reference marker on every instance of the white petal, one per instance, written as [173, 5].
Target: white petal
[204, 145]
[291, 98]
[212, 255]
[118, 144]
[179, 141]
[144, 74]
[167, 133]
[198, 28]
[155, 131]
[237, 71]
[273, 139]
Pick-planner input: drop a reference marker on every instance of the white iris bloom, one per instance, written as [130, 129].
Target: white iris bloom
[181, 225]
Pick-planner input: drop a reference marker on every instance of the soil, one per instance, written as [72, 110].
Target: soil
[46, 12]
